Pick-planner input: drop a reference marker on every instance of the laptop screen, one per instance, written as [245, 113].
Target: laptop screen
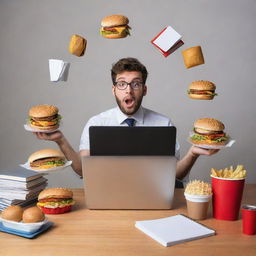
[139, 140]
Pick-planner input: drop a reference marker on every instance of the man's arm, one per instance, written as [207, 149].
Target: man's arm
[185, 164]
[66, 148]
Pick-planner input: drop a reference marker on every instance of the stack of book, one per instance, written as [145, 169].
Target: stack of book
[20, 187]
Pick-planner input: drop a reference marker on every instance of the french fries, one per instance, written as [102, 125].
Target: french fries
[197, 187]
[238, 173]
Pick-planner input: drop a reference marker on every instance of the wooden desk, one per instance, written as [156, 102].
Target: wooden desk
[112, 232]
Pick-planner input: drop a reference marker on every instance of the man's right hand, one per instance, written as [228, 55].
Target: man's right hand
[53, 136]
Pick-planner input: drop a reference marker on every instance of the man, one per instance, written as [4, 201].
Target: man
[129, 87]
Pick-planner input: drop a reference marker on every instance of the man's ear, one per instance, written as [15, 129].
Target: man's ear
[145, 88]
[113, 90]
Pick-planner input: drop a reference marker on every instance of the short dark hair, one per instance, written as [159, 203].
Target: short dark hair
[128, 64]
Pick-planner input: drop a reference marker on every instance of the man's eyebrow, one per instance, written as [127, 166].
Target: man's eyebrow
[123, 78]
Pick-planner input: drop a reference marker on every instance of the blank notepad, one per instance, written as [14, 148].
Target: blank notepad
[168, 38]
[173, 230]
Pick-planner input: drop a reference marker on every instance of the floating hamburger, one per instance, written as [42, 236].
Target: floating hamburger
[209, 131]
[55, 200]
[46, 159]
[115, 26]
[202, 90]
[44, 117]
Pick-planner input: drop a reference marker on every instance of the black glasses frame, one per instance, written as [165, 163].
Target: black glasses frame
[132, 84]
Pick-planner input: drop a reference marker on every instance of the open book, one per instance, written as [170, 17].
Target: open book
[167, 41]
[173, 230]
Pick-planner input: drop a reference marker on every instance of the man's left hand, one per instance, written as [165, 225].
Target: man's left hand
[197, 151]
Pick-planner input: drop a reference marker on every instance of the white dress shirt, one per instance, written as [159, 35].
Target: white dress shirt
[115, 117]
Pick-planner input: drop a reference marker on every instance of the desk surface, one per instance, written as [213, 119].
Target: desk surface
[112, 232]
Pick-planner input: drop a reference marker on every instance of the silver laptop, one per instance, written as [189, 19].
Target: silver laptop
[129, 182]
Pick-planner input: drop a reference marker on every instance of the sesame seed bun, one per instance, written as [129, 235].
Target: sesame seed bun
[56, 193]
[45, 153]
[209, 124]
[32, 215]
[43, 111]
[202, 85]
[114, 20]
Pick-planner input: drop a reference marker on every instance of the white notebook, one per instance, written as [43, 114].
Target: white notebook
[173, 230]
[168, 38]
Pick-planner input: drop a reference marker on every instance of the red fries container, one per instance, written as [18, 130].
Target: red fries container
[227, 197]
[249, 219]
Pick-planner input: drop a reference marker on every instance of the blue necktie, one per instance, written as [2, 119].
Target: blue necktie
[130, 121]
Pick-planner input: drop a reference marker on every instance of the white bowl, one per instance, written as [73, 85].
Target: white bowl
[24, 227]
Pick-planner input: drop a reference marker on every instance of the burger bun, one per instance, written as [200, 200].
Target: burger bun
[114, 20]
[202, 85]
[13, 213]
[200, 96]
[55, 193]
[209, 124]
[114, 36]
[32, 215]
[43, 111]
[45, 128]
[45, 153]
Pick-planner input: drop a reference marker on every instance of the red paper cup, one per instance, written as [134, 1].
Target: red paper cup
[249, 219]
[227, 197]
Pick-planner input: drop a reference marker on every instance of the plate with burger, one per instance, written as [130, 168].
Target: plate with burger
[43, 118]
[55, 200]
[46, 161]
[202, 90]
[115, 26]
[209, 133]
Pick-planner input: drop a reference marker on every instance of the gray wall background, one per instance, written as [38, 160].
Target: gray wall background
[31, 32]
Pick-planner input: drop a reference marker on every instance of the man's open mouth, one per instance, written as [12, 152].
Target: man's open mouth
[129, 102]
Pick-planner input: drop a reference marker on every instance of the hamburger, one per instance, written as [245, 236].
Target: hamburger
[32, 215]
[209, 131]
[46, 158]
[55, 200]
[115, 26]
[202, 90]
[44, 117]
[13, 213]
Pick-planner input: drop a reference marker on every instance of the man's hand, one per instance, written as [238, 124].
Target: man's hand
[53, 136]
[197, 151]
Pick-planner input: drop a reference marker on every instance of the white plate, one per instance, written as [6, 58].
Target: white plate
[24, 227]
[49, 170]
[30, 129]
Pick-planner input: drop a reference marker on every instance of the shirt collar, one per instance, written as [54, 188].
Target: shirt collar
[138, 116]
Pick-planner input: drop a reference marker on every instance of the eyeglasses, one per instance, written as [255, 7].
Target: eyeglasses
[122, 85]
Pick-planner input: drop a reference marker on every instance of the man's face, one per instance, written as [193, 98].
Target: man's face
[129, 99]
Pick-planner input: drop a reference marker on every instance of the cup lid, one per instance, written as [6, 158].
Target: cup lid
[249, 207]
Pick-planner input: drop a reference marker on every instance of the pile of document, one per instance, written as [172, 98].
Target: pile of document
[20, 187]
